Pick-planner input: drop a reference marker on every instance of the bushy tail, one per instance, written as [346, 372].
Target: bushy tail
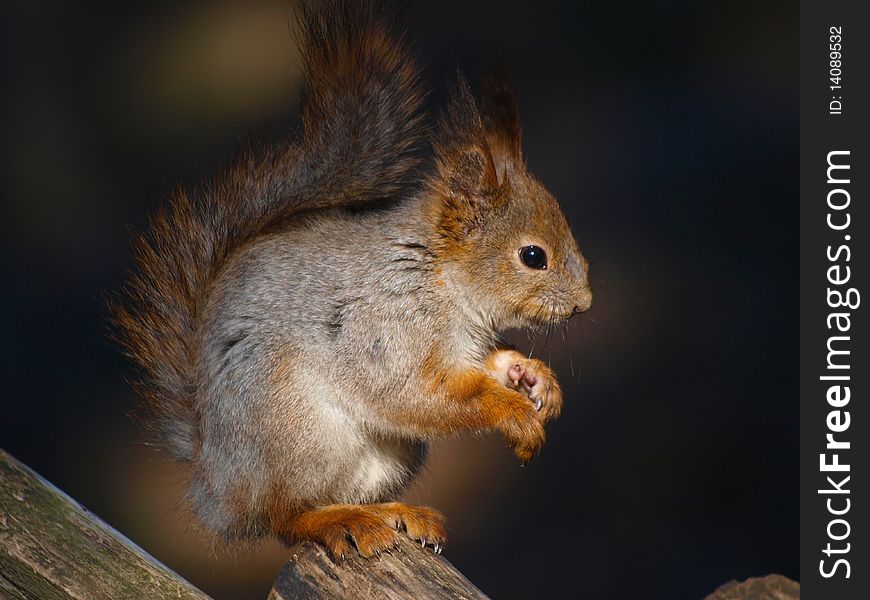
[363, 125]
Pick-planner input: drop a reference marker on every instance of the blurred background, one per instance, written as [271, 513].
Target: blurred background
[669, 132]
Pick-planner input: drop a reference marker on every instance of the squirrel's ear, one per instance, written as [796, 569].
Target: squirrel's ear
[501, 117]
[465, 163]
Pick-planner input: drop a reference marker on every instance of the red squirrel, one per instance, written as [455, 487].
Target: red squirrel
[310, 318]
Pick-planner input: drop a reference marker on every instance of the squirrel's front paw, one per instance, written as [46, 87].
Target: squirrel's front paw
[517, 418]
[522, 425]
[531, 377]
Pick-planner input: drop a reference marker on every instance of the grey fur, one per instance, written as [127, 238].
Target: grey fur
[331, 430]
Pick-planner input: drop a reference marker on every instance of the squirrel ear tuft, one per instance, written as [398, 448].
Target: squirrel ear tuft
[501, 117]
[471, 174]
[465, 162]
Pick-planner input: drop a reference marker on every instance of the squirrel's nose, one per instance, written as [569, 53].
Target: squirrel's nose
[584, 301]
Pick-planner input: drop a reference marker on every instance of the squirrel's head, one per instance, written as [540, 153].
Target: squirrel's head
[501, 232]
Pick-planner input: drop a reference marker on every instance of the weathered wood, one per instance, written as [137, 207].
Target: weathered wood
[771, 587]
[410, 573]
[51, 548]
[418, 574]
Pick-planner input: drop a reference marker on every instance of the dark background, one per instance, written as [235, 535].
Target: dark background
[669, 132]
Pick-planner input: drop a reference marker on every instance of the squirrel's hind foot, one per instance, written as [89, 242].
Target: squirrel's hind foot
[421, 524]
[370, 528]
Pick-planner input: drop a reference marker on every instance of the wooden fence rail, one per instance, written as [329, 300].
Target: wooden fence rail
[52, 548]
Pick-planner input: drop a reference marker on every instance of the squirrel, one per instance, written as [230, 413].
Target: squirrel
[310, 318]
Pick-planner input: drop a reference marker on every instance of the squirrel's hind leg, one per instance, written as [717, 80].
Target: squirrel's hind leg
[371, 528]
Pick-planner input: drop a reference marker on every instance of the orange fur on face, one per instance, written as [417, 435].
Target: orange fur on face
[486, 206]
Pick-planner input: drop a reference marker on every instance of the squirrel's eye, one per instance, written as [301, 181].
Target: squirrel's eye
[533, 257]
